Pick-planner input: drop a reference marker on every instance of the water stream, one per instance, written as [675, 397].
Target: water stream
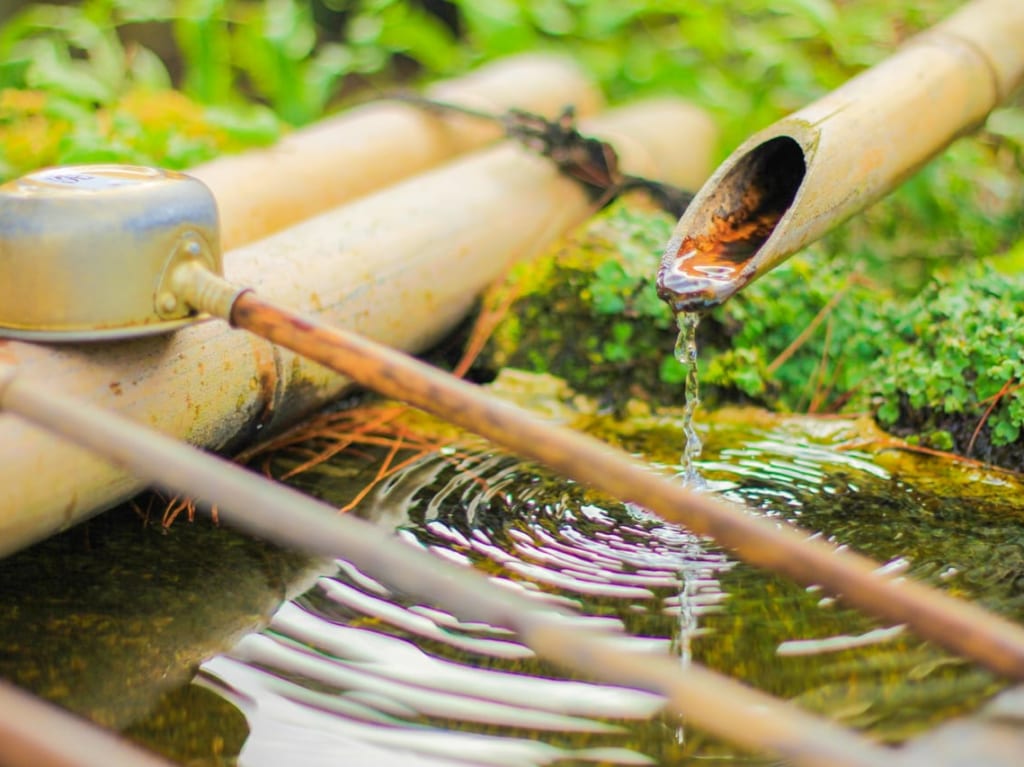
[687, 355]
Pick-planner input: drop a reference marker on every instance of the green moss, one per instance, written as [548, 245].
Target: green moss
[588, 311]
[955, 364]
[942, 364]
[814, 335]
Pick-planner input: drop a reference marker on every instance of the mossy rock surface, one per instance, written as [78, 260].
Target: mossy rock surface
[588, 312]
[816, 335]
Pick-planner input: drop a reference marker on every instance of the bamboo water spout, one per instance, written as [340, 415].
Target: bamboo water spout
[789, 184]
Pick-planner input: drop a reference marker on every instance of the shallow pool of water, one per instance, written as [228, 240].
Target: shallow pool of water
[348, 671]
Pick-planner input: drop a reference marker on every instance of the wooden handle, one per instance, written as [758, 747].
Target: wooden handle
[955, 624]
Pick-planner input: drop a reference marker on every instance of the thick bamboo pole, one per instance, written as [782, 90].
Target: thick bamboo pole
[276, 512]
[338, 159]
[790, 183]
[402, 266]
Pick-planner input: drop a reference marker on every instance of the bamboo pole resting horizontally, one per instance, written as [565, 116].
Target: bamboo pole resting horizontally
[402, 265]
[358, 151]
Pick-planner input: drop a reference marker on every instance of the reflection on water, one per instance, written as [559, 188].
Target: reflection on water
[353, 668]
[392, 672]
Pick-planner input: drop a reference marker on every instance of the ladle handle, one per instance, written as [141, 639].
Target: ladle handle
[952, 623]
[191, 282]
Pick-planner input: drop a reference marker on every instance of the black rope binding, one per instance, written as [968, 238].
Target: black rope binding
[589, 161]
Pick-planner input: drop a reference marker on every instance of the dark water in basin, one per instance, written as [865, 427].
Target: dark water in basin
[352, 666]
[349, 672]
[358, 655]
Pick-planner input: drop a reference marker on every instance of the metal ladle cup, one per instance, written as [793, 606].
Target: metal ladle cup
[98, 252]
[100, 224]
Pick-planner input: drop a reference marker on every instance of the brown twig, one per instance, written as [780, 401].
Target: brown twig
[820, 389]
[808, 331]
[992, 402]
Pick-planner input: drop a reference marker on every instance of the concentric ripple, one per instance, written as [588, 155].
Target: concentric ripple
[353, 672]
[390, 672]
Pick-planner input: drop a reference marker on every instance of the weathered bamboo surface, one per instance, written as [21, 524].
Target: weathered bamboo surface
[831, 159]
[338, 159]
[402, 266]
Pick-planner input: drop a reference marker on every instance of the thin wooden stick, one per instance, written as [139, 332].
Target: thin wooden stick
[952, 623]
[275, 512]
[993, 401]
[808, 331]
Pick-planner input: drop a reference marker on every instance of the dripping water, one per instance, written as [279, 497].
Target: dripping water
[686, 353]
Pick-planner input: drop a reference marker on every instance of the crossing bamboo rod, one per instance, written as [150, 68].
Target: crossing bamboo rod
[952, 623]
[278, 513]
[34, 733]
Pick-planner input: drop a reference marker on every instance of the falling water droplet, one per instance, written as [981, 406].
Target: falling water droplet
[686, 353]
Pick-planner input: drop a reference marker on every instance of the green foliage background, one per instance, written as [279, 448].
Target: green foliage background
[748, 61]
[924, 332]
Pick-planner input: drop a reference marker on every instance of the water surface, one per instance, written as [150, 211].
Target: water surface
[350, 670]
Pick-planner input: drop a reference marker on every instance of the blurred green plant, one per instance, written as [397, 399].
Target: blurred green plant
[749, 61]
[72, 89]
[944, 365]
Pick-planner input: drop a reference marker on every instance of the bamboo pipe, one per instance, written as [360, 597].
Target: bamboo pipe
[38, 734]
[789, 184]
[275, 512]
[402, 265]
[369, 147]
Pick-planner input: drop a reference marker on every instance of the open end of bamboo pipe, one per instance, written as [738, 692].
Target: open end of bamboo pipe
[718, 255]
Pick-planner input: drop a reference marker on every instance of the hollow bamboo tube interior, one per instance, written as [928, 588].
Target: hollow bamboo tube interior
[402, 265]
[954, 624]
[278, 513]
[789, 184]
[369, 147]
